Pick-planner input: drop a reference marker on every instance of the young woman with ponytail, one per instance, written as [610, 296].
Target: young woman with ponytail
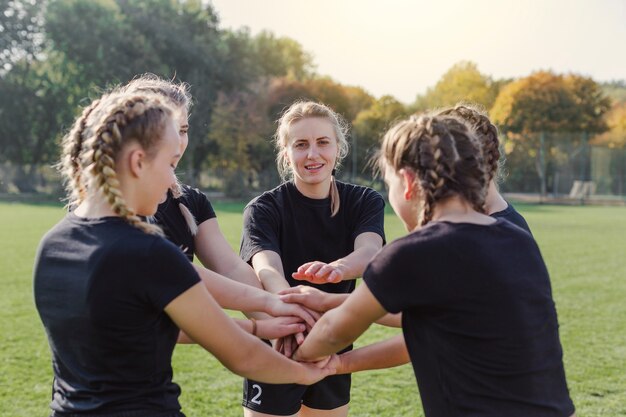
[478, 316]
[311, 228]
[112, 293]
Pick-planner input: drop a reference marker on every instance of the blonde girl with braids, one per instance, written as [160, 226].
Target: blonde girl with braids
[311, 228]
[112, 293]
[189, 221]
[478, 317]
[487, 133]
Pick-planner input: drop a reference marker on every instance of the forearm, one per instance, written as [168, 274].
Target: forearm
[232, 294]
[330, 334]
[243, 273]
[386, 354]
[272, 281]
[390, 320]
[354, 264]
[333, 300]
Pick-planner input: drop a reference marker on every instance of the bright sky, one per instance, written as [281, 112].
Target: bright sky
[402, 47]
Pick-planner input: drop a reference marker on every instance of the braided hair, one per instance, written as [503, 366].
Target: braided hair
[300, 110]
[486, 132]
[445, 156]
[70, 165]
[99, 135]
[179, 96]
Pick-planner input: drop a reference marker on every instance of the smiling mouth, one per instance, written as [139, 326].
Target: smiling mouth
[313, 167]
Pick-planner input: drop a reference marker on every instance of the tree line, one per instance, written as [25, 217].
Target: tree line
[56, 54]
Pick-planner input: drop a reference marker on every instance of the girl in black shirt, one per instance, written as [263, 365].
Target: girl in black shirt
[112, 293]
[311, 228]
[189, 221]
[477, 310]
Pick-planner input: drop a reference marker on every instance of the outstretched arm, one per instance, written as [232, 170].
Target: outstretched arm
[349, 267]
[314, 299]
[215, 253]
[341, 326]
[237, 296]
[385, 354]
[197, 314]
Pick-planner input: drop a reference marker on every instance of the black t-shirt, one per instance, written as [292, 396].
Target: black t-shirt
[171, 219]
[478, 319]
[300, 229]
[100, 288]
[512, 215]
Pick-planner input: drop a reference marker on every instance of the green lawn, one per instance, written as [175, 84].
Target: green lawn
[584, 248]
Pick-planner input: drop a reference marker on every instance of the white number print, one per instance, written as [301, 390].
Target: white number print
[256, 399]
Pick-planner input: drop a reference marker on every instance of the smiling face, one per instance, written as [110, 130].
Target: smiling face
[312, 153]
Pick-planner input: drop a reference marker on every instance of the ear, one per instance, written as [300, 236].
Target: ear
[410, 187]
[137, 161]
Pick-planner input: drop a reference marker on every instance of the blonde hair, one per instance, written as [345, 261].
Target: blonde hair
[304, 110]
[445, 156]
[96, 139]
[179, 96]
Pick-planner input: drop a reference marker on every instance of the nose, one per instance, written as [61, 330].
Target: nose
[313, 152]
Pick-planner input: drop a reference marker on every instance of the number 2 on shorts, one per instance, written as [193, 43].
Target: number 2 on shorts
[256, 399]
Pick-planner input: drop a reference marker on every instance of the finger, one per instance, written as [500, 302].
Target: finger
[287, 347]
[314, 313]
[316, 266]
[278, 346]
[289, 320]
[324, 270]
[304, 267]
[334, 277]
[292, 290]
[294, 329]
[301, 277]
[304, 314]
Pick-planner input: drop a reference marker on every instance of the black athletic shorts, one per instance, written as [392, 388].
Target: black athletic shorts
[286, 399]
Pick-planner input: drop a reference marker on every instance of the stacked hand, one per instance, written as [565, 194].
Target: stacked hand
[319, 273]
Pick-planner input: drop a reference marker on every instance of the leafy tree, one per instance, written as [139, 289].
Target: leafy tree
[368, 128]
[462, 82]
[33, 108]
[236, 128]
[532, 107]
[21, 34]
[615, 137]
[281, 57]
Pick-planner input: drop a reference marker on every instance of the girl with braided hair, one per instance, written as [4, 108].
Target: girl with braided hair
[112, 293]
[310, 228]
[487, 133]
[478, 317]
[188, 220]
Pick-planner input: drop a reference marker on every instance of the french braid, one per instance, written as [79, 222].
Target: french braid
[445, 156]
[486, 132]
[177, 93]
[121, 118]
[72, 145]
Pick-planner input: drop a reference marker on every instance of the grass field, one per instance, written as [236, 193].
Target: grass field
[584, 248]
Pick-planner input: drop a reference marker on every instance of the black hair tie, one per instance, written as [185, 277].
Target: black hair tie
[334, 172]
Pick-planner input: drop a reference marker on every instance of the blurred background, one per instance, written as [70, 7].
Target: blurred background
[551, 74]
